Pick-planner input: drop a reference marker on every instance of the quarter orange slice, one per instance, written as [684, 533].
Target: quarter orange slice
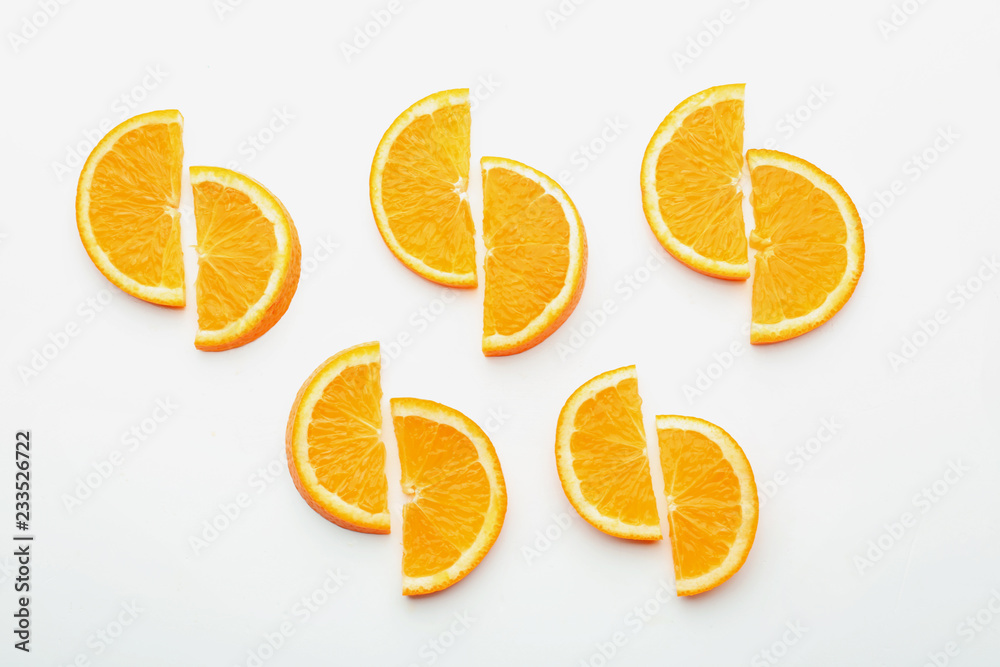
[691, 183]
[334, 441]
[711, 500]
[126, 207]
[457, 494]
[536, 256]
[248, 258]
[602, 460]
[418, 187]
[809, 244]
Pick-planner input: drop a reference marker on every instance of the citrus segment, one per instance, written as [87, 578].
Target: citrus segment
[248, 258]
[690, 182]
[536, 256]
[711, 499]
[809, 246]
[126, 207]
[418, 188]
[602, 460]
[334, 441]
[457, 497]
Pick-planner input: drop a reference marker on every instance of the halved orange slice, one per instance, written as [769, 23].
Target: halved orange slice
[691, 183]
[809, 243]
[458, 499]
[248, 258]
[126, 207]
[711, 500]
[334, 441]
[602, 460]
[418, 188]
[536, 256]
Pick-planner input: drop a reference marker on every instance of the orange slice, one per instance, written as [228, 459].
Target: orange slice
[248, 258]
[457, 494]
[536, 256]
[418, 188]
[691, 183]
[809, 243]
[126, 207]
[334, 441]
[602, 460]
[711, 500]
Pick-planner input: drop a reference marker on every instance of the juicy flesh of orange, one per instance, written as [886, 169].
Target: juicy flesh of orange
[424, 186]
[134, 195]
[799, 238]
[527, 250]
[345, 445]
[237, 251]
[703, 499]
[609, 455]
[450, 494]
[697, 181]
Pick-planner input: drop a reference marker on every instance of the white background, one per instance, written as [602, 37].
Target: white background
[556, 88]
